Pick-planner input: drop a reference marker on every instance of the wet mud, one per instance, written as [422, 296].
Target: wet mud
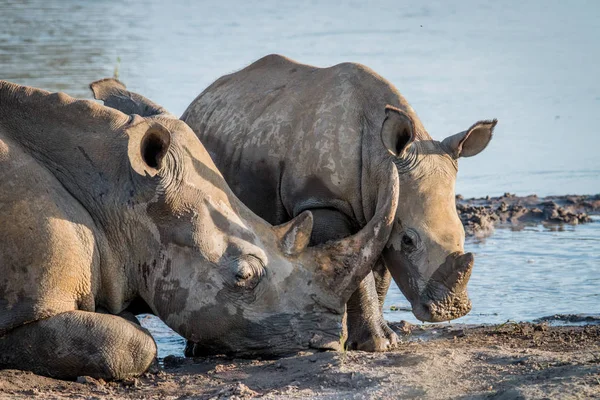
[441, 361]
[480, 215]
[554, 357]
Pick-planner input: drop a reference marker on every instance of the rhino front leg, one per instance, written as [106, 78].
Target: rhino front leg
[383, 279]
[366, 328]
[77, 343]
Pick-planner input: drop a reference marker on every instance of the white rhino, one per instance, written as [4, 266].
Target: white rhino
[290, 137]
[103, 214]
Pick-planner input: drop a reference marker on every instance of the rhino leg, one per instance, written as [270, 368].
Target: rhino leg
[366, 328]
[383, 279]
[77, 343]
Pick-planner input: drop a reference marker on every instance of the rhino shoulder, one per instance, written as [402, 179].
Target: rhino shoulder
[270, 61]
[365, 77]
[277, 64]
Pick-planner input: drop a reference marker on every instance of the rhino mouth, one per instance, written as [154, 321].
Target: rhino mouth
[446, 310]
[445, 297]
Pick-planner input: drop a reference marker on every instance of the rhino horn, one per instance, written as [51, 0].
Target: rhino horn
[114, 94]
[454, 274]
[344, 263]
[462, 270]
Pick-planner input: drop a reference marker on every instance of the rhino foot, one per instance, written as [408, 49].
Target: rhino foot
[372, 337]
[367, 329]
[79, 343]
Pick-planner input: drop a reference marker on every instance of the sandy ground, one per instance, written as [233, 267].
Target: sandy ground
[508, 361]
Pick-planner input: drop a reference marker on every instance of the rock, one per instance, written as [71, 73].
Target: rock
[405, 327]
[235, 391]
[132, 382]
[88, 380]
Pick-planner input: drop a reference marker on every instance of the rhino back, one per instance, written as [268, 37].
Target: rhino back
[290, 137]
[47, 243]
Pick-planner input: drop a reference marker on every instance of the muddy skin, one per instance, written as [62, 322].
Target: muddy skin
[290, 137]
[508, 361]
[155, 228]
[480, 215]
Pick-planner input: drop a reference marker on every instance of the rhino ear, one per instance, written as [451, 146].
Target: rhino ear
[472, 141]
[294, 235]
[397, 131]
[115, 95]
[148, 145]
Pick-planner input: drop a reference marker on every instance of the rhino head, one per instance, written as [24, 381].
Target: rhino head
[221, 276]
[227, 279]
[425, 253]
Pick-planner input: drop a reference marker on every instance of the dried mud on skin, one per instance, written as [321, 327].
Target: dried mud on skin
[479, 216]
[508, 361]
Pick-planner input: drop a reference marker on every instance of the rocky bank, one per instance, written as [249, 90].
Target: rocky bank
[480, 215]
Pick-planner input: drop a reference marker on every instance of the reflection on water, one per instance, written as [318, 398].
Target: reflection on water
[456, 62]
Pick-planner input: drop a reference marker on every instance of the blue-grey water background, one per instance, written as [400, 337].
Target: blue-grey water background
[533, 65]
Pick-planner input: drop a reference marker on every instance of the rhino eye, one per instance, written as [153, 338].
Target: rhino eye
[409, 241]
[249, 272]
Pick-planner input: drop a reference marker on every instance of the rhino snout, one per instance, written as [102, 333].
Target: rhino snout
[440, 311]
[446, 296]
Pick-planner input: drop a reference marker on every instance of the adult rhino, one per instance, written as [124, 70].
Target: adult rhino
[103, 214]
[290, 137]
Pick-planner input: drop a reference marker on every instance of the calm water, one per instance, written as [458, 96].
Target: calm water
[527, 274]
[533, 65]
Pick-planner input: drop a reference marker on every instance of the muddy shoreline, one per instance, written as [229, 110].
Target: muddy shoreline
[480, 215]
[506, 361]
[437, 361]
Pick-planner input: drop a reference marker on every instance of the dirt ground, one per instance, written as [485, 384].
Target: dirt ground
[508, 361]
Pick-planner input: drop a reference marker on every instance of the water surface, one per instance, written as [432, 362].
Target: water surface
[529, 273]
[533, 65]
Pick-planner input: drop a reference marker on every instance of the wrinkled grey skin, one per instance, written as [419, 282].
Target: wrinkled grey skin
[290, 137]
[104, 214]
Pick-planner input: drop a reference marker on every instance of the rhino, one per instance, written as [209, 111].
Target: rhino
[104, 215]
[290, 137]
